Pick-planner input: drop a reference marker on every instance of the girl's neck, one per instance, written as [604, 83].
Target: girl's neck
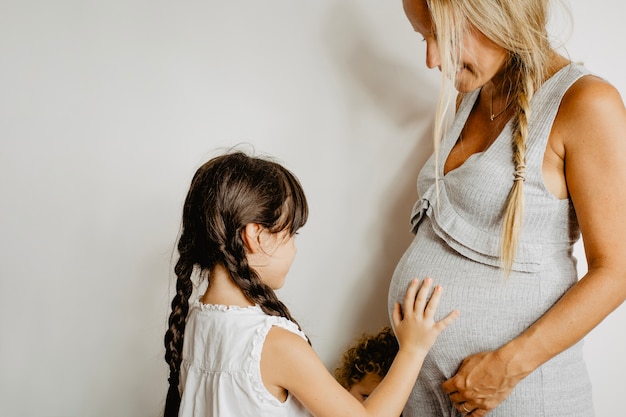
[222, 290]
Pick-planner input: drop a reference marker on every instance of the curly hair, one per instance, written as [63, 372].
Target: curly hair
[370, 354]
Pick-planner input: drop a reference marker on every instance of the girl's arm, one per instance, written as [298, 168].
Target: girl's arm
[592, 125]
[290, 363]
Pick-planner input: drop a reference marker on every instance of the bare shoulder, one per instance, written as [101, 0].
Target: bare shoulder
[289, 355]
[283, 350]
[282, 341]
[593, 119]
[591, 99]
[591, 108]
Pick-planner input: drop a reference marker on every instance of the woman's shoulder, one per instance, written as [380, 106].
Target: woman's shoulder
[590, 104]
[591, 94]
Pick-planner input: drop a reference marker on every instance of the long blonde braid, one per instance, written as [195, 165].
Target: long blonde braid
[514, 213]
[518, 26]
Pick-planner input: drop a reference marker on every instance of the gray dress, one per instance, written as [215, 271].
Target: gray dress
[457, 240]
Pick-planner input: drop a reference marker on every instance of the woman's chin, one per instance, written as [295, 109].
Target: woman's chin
[466, 81]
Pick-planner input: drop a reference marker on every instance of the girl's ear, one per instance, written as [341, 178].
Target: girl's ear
[251, 236]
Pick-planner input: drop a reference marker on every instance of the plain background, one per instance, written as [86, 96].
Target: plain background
[108, 107]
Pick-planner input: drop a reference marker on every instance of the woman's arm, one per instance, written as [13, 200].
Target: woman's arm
[290, 363]
[591, 127]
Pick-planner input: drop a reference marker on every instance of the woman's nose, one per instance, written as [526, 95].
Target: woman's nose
[432, 54]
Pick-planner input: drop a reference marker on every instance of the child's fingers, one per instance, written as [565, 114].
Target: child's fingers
[422, 295]
[431, 308]
[409, 296]
[433, 303]
[447, 320]
[396, 315]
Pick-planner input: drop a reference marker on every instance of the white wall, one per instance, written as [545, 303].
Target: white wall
[106, 110]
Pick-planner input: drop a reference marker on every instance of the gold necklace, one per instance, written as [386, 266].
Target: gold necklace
[508, 103]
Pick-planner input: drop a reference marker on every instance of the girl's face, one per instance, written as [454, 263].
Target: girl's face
[277, 255]
[362, 389]
[481, 59]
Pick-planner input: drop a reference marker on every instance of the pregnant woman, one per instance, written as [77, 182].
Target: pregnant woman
[535, 156]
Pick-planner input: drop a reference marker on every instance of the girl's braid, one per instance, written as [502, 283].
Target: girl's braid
[176, 331]
[250, 283]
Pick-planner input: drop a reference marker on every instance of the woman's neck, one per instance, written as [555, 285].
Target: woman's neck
[223, 290]
[498, 95]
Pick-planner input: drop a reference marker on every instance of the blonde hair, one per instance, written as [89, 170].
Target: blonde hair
[518, 26]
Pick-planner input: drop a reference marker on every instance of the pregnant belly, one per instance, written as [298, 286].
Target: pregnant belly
[494, 309]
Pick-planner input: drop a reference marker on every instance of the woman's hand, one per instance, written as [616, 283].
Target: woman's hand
[482, 382]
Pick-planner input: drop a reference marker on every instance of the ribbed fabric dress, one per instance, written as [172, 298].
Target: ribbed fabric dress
[457, 240]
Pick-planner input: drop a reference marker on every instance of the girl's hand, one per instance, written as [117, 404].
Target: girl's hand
[415, 326]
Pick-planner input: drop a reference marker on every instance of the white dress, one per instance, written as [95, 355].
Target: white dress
[220, 371]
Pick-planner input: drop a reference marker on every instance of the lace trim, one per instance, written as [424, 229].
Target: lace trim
[222, 307]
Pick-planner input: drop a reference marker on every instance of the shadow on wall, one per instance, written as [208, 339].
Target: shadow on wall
[370, 73]
[403, 98]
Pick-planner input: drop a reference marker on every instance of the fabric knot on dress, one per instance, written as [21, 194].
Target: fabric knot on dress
[417, 214]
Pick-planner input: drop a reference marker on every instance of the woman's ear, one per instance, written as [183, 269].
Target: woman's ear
[251, 236]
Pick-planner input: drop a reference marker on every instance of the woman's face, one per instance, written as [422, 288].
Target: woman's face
[480, 61]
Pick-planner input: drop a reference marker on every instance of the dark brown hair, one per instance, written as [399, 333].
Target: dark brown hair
[370, 354]
[227, 193]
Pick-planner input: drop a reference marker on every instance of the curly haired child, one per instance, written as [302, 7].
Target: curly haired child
[366, 362]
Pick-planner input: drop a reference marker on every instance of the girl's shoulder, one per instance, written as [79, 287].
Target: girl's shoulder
[283, 346]
[283, 353]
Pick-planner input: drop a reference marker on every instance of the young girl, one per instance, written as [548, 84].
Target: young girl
[237, 351]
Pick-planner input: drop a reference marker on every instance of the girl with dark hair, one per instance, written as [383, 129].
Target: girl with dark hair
[237, 351]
